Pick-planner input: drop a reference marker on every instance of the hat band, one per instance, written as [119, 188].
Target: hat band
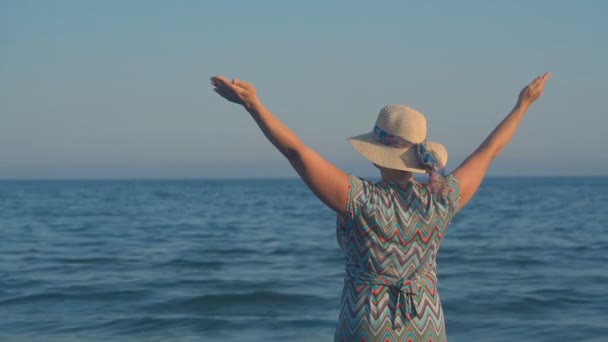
[389, 139]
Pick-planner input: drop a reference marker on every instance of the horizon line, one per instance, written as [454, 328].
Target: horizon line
[244, 178]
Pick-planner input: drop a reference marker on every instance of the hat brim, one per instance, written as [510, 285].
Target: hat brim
[405, 159]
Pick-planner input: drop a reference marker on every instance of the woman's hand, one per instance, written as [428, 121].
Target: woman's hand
[237, 91]
[533, 90]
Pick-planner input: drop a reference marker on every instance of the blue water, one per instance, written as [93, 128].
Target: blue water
[257, 260]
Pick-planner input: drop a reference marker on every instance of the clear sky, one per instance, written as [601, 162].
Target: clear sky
[111, 89]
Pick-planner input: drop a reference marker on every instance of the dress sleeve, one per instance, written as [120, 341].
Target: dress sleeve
[361, 198]
[453, 192]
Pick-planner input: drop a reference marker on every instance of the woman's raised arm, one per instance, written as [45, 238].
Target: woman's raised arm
[472, 171]
[326, 181]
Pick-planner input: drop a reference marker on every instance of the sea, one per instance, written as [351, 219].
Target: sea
[258, 260]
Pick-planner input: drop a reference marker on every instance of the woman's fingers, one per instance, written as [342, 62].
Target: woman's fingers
[544, 77]
[222, 83]
[235, 91]
[540, 80]
[221, 92]
[220, 80]
[229, 89]
[240, 83]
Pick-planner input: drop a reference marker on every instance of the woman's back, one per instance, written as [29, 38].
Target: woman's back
[390, 234]
[390, 231]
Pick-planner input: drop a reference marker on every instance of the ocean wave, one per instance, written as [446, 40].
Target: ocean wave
[245, 301]
[97, 261]
[150, 324]
[76, 294]
[204, 324]
[196, 264]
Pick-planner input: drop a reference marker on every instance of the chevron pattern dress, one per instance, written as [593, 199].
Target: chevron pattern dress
[390, 234]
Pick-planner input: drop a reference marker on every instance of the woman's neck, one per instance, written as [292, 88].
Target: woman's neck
[395, 175]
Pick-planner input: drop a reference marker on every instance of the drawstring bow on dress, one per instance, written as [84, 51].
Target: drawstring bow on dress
[405, 289]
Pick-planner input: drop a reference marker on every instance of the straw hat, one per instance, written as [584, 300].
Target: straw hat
[393, 142]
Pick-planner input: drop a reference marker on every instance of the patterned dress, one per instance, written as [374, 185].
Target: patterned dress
[390, 234]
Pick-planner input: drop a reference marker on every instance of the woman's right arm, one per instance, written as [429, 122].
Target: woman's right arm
[327, 182]
[472, 171]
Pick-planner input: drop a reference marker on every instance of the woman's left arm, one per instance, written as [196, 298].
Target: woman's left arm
[327, 182]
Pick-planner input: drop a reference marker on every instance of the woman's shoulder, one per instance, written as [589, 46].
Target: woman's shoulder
[367, 190]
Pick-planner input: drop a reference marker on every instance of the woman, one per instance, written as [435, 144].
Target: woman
[390, 231]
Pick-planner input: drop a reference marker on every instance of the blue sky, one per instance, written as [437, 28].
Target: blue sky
[120, 89]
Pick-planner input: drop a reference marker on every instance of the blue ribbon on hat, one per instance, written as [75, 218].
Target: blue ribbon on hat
[425, 156]
[390, 139]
